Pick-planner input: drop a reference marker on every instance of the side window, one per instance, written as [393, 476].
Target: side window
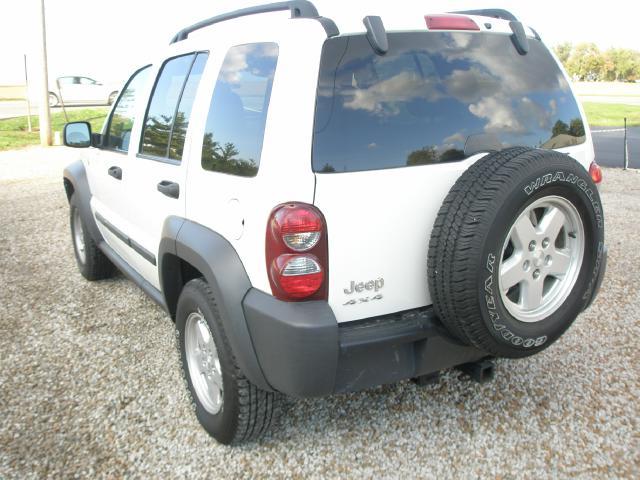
[167, 118]
[235, 125]
[118, 132]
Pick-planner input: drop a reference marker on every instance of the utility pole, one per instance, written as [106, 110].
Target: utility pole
[26, 96]
[626, 146]
[45, 117]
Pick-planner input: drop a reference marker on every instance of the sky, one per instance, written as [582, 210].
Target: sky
[107, 40]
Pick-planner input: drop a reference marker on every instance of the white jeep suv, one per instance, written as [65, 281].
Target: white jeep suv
[325, 210]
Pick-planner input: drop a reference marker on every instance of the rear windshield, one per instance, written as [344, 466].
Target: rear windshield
[437, 97]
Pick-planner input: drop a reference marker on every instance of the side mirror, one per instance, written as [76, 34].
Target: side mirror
[77, 134]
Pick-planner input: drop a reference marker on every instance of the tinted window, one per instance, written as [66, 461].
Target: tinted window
[238, 111]
[437, 97]
[120, 124]
[183, 114]
[170, 107]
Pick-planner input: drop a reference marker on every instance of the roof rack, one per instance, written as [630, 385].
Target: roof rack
[491, 12]
[376, 34]
[519, 36]
[298, 9]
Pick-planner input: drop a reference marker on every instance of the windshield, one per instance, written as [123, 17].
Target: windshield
[437, 97]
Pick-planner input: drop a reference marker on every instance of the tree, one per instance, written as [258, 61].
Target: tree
[621, 64]
[559, 128]
[586, 62]
[452, 155]
[328, 168]
[563, 51]
[220, 158]
[423, 156]
[156, 135]
[576, 127]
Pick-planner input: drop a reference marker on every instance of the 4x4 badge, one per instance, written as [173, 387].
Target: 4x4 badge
[355, 301]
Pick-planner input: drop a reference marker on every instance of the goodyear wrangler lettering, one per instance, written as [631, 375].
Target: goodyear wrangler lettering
[494, 316]
[573, 179]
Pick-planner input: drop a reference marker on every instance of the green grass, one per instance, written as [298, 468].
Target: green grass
[611, 114]
[14, 132]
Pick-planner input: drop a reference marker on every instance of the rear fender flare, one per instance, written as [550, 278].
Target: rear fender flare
[213, 256]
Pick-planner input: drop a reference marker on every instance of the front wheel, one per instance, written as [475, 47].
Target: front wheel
[229, 407]
[92, 263]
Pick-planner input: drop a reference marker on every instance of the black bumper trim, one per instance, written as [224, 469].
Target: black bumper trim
[401, 327]
[304, 352]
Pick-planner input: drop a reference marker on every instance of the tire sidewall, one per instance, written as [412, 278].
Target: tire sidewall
[222, 425]
[566, 179]
[82, 266]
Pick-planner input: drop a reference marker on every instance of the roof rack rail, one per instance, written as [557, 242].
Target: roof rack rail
[376, 34]
[298, 8]
[491, 12]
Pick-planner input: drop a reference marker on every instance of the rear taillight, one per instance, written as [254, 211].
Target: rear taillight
[596, 173]
[450, 22]
[296, 252]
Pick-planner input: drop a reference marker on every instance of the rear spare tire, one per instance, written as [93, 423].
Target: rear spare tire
[515, 250]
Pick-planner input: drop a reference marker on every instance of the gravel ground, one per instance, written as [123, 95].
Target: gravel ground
[90, 383]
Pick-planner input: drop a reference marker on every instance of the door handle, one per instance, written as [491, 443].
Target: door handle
[170, 189]
[115, 172]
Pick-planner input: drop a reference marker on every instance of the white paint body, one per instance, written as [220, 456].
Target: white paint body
[379, 222]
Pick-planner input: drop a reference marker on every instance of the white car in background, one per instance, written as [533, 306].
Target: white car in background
[81, 90]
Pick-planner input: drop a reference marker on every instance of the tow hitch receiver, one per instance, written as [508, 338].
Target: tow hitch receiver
[425, 380]
[481, 371]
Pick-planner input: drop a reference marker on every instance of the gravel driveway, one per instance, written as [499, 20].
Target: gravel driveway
[90, 383]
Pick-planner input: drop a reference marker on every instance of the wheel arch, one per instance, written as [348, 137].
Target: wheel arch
[189, 250]
[74, 179]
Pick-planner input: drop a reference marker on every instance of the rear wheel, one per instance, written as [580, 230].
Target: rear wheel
[515, 251]
[229, 407]
[53, 99]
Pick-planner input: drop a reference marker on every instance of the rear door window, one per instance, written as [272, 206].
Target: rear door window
[437, 97]
[169, 110]
[238, 111]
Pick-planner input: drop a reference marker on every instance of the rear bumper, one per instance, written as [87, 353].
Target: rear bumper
[304, 352]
